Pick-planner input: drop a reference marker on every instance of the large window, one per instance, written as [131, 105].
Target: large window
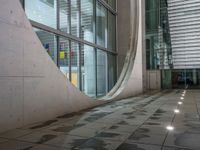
[101, 20]
[112, 3]
[64, 14]
[88, 71]
[42, 11]
[80, 37]
[87, 20]
[64, 56]
[75, 22]
[111, 32]
[102, 80]
[75, 75]
[48, 40]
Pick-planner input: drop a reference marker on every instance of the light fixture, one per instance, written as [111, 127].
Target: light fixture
[176, 111]
[180, 103]
[182, 98]
[170, 128]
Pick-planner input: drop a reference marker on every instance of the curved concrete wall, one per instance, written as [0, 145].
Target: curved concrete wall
[32, 89]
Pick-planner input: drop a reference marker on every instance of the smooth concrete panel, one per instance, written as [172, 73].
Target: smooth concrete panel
[11, 53]
[11, 103]
[123, 31]
[134, 84]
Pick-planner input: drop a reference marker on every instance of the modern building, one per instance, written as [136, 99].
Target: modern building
[60, 57]
[172, 42]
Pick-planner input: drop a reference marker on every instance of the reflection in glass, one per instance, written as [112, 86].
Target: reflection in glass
[64, 56]
[112, 73]
[87, 20]
[64, 15]
[75, 64]
[112, 3]
[48, 40]
[88, 71]
[42, 11]
[75, 17]
[96, 73]
[101, 20]
[102, 87]
[111, 32]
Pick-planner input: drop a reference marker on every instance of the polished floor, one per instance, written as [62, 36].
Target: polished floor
[167, 120]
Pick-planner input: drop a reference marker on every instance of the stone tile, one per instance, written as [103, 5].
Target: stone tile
[145, 138]
[67, 141]
[183, 139]
[15, 133]
[113, 136]
[46, 147]
[99, 144]
[84, 132]
[15, 145]
[140, 122]
[135, 146]
[148, 129]
[98, 126]
[122, 128]
[174, 148]
[39, 137]
[60, 128]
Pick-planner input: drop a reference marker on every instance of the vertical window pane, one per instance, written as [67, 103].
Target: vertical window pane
[101, 20]
[49, 42]
[64, 15]
[75, 64]
[64, 56]
[111, 32]
[75, 17]
[42, 11]
[112, 3]
[101, 73]
[112, 73]
[88, 71]
[87, 20]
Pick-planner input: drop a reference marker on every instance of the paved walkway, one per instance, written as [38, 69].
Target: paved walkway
[167, 120]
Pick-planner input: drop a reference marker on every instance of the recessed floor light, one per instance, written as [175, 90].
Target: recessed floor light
[170, 128]
[176, 111]
[180, 103]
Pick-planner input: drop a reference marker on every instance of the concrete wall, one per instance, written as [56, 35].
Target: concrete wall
[153, 80]
[123, 32]
[32, 88]
[135, 83]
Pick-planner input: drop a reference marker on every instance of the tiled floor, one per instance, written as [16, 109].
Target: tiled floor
[137, 123]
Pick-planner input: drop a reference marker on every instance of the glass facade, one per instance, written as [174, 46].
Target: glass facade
[80, 37]
[158, 41]
[169, 50]
[181, 78]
